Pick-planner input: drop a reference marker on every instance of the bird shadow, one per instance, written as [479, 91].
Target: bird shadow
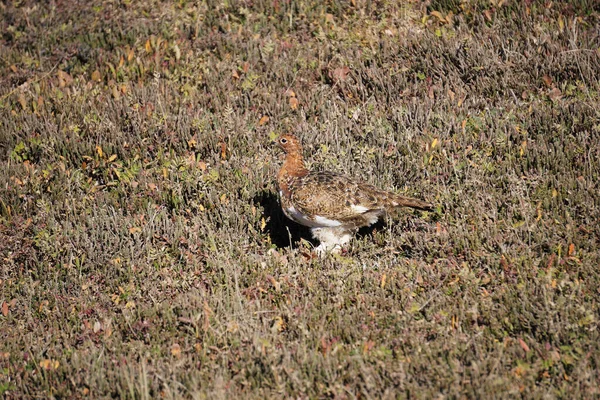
[282, 231]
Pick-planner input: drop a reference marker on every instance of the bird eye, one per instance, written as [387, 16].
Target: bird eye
[283, 140]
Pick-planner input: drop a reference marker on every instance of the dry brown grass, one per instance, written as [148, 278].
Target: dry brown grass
[142, 250]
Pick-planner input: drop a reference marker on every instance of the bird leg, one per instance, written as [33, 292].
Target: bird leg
[332, 239]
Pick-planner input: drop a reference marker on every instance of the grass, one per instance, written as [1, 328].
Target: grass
[143, 251]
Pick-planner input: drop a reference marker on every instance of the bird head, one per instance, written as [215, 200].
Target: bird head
[290, 144]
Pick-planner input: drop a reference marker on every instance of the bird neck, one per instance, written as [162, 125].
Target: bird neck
[294, 164]
[293, 167]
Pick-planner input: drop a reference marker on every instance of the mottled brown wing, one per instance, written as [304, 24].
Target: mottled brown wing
[334, 196]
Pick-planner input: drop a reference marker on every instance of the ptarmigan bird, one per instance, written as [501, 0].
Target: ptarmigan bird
[333, 206]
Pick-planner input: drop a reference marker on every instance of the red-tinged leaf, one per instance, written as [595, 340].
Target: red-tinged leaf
[176, 350]
[223, 150]
[523, 345]
[49, 364]
[115, 92]
[339, 74]
[45, 364]
[369, 344]
[64, 79]
[263, 120]
[551, 261]
[5, 308]
[391, 149]
[438, 15]
[207, 313]
[451, 95]
[555, 94]
[22, 101]
[325, 345]
[278, 325]
[571, 250]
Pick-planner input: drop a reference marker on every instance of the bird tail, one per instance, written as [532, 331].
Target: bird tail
[402, 201]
